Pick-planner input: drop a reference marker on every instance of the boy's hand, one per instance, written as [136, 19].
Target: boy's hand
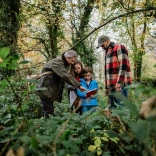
[93, 95]
[82, 89]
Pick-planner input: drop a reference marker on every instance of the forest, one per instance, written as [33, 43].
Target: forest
[32, 32]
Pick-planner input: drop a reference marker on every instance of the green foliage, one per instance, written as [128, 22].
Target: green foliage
[89, 134]
[93, 133]
[86, 54]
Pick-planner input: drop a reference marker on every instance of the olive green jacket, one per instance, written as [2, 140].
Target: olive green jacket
[53, 84]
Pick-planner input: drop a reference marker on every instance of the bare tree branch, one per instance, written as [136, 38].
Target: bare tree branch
[114, 18]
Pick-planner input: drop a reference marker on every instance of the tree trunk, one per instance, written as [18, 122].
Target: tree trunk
[84, 50]
[9, 19]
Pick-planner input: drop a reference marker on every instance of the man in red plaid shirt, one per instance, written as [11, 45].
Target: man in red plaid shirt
[116, 67]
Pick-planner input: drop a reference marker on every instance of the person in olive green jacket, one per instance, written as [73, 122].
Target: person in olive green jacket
[52, 78]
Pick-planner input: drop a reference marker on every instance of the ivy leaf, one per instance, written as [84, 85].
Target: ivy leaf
[4, 52]
[91, 148]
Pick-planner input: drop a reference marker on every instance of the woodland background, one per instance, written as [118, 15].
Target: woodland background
[34, 31]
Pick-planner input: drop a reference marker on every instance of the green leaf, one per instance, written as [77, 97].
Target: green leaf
[114, 140]
[129, 147]
[106, 154]
[65, 135]
[3, 64]
[129, 104]
[15, 58]
[4, 52]
[122, 150]
[99, 151]
[42, 88]
[140, 126]
[97, 142]
[118, 112]
[13, 66]
[70, 144]
[126, 137]
[91, 148]
[32, 88]
[77, 140]
[31, 80]
[111, 133]
[25, 139]
[8, 116]
[24, 62]
[33, 143]
[40, 122]
[104, 138]
[43, 139]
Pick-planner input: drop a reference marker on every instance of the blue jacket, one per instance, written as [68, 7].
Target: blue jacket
[87, 101]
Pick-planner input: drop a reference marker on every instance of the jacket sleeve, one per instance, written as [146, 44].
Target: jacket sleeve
[124, 65]
[81, 94]
[58, 67]
[70, 87]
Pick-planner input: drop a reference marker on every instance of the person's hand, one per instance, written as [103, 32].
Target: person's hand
[93, 95]
[82, 89]
[118, 89]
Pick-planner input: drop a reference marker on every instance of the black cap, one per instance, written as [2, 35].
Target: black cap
[102, 39]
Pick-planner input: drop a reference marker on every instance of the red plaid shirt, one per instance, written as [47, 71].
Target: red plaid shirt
[117, 66]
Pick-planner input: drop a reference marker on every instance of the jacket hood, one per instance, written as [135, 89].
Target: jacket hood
[92, 81]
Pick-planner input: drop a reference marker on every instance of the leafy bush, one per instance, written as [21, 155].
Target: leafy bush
[23, 129]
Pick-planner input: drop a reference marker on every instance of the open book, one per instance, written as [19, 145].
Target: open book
[91, 92]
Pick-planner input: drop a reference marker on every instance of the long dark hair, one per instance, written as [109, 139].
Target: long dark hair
[72, 69]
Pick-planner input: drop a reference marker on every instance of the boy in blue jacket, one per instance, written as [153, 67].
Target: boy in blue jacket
[89, 84]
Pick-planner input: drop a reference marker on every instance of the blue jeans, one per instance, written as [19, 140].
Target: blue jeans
[87, 108]
[113, 99]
